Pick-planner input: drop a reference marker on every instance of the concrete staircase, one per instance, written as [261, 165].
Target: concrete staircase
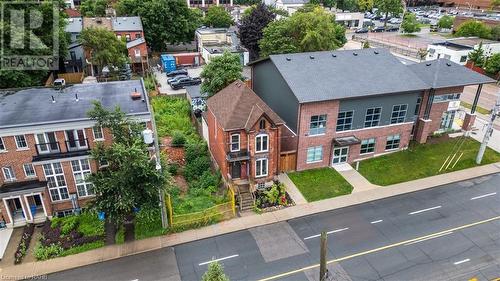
[246, 198]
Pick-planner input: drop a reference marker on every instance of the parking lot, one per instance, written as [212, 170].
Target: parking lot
[165, 89]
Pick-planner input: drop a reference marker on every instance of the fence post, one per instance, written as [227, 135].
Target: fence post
[233, 203]
[169, 207]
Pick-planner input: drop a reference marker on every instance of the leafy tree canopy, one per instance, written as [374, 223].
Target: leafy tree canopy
[473, 28]
[365, 5]
[217, 16]
[492, 66]
[165, 22]
[410, 23]
[220, 72]
[304, 31]
[215, 272]
[104, 47]
[386, 7]
[446, 22]
[477, 55]
[93, 8]
[252, 26]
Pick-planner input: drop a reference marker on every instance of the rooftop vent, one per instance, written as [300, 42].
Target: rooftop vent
[334, 55]
[76, 97]
[135, 95]
[428, 64]
[448, 64]
[288, 59]
[311, 57]
[375, 52]
[355, 54]
[53, 99]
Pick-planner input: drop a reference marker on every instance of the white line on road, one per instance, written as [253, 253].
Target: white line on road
[484, 195]
[374, 222]
[429, 238]
[462, 261]
[424, 210]
[329, 232]
[221, 259]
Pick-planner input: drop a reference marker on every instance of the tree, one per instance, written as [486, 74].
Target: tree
[365, 5]
[492, 66]
[217, 16]
[130, 179]
[445, 22]
[495, 4]
[495, 33]
[410, 23]
[366, 45]
[473, 28]
[220, 72]
[325, 3]
[251, 29]
[304, 31]
[177, 25]
[27, 78]
[93, 8]
[386, 7]
[347, 5]
[215, 272]
[104, 47]
[477, 55]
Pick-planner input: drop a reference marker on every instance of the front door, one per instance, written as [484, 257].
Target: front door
[340, 155]
[76, 139]
[447, 120]
[236, 170]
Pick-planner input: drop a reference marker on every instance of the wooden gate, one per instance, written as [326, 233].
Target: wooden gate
[288, 161]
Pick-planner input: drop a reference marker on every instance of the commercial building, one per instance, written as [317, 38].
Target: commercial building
[458, 49]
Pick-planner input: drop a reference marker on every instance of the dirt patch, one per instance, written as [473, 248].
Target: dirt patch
[440, 139]
[174, 154]
[180, 182]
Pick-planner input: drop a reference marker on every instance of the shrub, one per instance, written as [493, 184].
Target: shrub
[196, 149]
[196, 168]
[215, 272]
[148, 223]
[208, 180]
[473, 28]
[89, 224]
[172, 114]
[68, 224]
[492, 65]
[178, 139]
[47, 252]
[173, 168]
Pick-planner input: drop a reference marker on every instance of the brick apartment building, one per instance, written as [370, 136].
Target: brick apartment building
[205, 4]
[244, 136]
[345, 106]
[45, 143]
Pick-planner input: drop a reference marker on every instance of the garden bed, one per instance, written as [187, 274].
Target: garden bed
[272, 198]
[24, 244]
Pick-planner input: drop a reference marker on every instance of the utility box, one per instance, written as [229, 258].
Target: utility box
[168, 63]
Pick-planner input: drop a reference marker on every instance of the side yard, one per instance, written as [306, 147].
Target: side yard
[318, 184]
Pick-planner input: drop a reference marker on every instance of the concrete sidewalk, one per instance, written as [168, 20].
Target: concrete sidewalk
[358, 182]
[28, 269]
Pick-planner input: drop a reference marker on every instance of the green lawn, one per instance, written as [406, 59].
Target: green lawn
[318, 184]
[422, 160]
[478, 108]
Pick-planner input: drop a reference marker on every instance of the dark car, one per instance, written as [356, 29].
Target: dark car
[177, 72]
[392, 28]
[186, 81]
[173, 79]
[361, 30]
[378, 29]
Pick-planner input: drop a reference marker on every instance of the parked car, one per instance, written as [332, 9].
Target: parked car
[378, 29]
[433, 28]
[173, 79]
[392, 28]
[177, 72]
[361, 30]
[186, 81]
[368, 23]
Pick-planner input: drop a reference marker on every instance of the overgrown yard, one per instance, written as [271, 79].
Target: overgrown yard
[318, 184]
[423, 160]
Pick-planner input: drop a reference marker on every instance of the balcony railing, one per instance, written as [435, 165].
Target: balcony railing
[77, 145]
[48, 151]
[238, 156]
[48, 148]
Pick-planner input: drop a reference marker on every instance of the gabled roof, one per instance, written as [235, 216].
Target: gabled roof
[330, 75]
[135, 42]
[127, 24]
[444, 73]
[238, 107]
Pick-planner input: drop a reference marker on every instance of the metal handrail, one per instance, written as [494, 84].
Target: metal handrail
[77, 146]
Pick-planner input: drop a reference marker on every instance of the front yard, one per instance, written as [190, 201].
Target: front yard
[423, 160]
[318, 184]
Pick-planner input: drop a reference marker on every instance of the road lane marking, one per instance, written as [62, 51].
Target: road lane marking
[329, 232]
[482, 196]
[377, 221]
[429, 238]
[460, 262]
[313, 266]
[221, 259]
[425, 210]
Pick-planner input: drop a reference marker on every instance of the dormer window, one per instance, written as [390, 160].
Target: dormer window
[235, 142]
[262, 124]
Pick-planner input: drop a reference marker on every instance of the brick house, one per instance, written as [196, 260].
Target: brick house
[45, 143]
[244, 136]
[345, 106]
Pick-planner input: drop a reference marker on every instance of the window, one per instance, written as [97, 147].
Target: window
[463, 58]
[29, 171]
[46, 142]
[127, 37]
[317, 126]
[314, 154]
[261, 143]
[372, 117]
[417, 107]
[21, 142]
[98, 134]
[138, 35]
[2, 145]
[344, 120]
[261, 167]
[392, 142]
[81, 168]
[235, 142]
[444, 98]
[8, 174]
[398, 113]
[137, 52]
[62, 214]
[367, 146]
[262, 124]
[55, 181]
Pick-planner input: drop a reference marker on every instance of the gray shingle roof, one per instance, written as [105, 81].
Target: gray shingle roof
[135, 42]
[329, 75]
[75, 25]
[127, 24]
[34, 106]
[443, 73]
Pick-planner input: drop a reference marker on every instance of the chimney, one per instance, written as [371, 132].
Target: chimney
[135, 95]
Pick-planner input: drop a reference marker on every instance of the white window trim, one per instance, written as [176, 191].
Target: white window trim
[4, 147]
[260, 136]
[11, 171]
[25, 140]
[374, 147]
[26, 174]
[320, 134]
[231, 142]
[66, 138]
[379, 117]
[316, 161]
[404, 117]
[267, 167]
[102, 133]
[85, 182]
[58, 188]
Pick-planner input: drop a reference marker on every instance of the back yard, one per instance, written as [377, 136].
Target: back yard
[318, 184]
[424, 160]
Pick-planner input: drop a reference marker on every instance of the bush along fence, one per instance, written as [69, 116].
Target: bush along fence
[205, 217]
[24, 243]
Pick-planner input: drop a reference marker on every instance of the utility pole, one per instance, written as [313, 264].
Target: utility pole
[489, 130]
[322, 264]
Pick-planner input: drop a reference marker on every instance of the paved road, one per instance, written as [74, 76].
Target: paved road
[445, 233]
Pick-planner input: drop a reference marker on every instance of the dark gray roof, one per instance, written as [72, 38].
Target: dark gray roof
[444, 73]
[127, 24]
[34, 106]
[329, 75]
[75, 25]
[195, 91]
